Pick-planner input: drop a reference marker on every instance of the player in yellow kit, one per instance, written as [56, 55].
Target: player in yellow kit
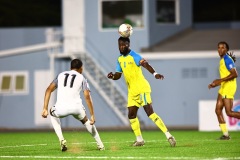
[129, 63]
[228, 87]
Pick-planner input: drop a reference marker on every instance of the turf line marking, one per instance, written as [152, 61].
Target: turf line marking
[106, 157]
[76, 143]
[24, 145]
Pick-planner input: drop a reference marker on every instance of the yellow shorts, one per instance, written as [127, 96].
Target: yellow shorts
[227, 91]
[139, 100]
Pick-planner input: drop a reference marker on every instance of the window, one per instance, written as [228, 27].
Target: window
[19, 83]
[116, 12]
[13, 82]
[6, 83]
[167, 11]
[194, 73]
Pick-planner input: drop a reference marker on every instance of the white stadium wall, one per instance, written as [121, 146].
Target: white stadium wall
[208, 119]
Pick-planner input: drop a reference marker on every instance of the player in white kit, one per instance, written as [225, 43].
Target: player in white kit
[69, 84]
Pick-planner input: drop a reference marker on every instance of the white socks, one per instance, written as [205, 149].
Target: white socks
[139, 138]
[90, 128]
[93, 131]
[57, 127]
[168, 135]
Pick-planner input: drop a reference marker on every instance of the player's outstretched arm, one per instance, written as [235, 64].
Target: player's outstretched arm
[146, 65]
[89, 102]
[48, 92]
[114, 76]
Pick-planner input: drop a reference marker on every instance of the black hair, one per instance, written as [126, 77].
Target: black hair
[76, 64]
[124, 39]
[225, 43]
[230, 53]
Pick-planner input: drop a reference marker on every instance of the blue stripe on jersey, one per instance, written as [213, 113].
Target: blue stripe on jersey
[118, 67]
[229, 63]
[136, 57]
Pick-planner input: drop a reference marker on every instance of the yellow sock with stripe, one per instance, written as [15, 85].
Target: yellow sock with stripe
[158, 121]
[224, 129]
[136, 128]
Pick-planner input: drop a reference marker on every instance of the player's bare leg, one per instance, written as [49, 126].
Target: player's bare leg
[228, 103]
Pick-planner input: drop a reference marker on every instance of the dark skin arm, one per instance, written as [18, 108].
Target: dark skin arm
[89, 102]
[148, 67]
[233, 74]
[115, 76]
[144, 63]
[48, 92]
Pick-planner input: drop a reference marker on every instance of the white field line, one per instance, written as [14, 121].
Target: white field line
[76, 143]
[24, 145]
[104, 157]
[116, 157]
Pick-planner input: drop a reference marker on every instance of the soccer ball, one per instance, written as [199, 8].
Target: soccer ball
[125, 30]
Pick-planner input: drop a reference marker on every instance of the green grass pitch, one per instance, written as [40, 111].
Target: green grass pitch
[190, 145]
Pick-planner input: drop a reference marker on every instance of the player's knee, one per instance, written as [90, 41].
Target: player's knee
[131, 115]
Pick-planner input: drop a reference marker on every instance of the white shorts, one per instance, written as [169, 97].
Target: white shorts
[60, 112]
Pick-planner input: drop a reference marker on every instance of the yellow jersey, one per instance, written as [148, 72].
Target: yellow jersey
[130, 66]
[228, 88]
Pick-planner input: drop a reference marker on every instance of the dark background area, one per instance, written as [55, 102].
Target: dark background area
[40, 13]
[30, 13]
[216, 10]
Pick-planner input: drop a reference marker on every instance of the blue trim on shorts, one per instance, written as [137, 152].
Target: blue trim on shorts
[145, 99]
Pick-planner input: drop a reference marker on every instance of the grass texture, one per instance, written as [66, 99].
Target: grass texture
[191, 145]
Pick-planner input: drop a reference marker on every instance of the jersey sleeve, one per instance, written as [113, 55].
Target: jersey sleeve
[55, 81]
[118, 67]
[85, 85]
[137, 58]
[229, 62]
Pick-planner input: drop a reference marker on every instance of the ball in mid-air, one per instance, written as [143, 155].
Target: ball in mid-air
[125, 30]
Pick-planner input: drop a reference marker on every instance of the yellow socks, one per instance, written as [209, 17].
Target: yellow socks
[224, 129]
[158, 121]
[135, 126]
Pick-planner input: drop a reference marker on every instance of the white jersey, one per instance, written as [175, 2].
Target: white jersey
[69, 84]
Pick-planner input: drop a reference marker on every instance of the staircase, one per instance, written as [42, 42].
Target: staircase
[110, 92]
